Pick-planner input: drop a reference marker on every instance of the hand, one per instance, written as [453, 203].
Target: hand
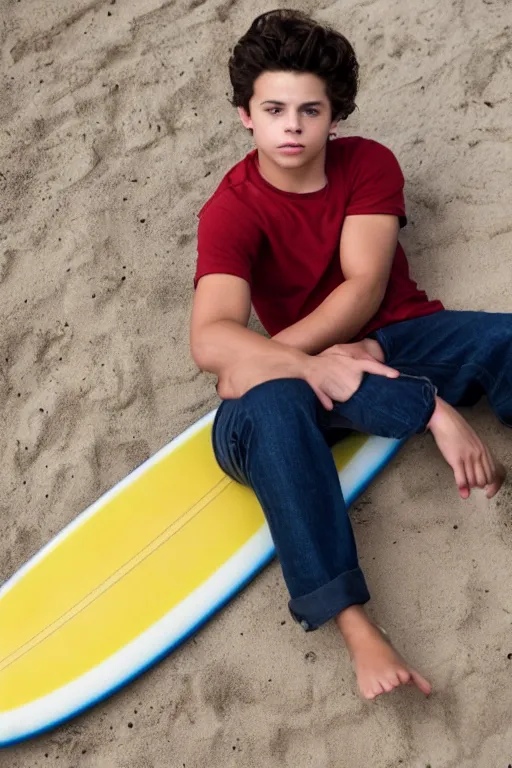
[345, 360]
[367, 349]
[336, 373]
[472, 462]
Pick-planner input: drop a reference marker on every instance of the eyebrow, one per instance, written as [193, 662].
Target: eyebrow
[282, 104]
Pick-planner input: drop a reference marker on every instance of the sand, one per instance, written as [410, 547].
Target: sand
[115, 128]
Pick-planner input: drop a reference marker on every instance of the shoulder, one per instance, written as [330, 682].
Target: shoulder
[373, 179]
[229, 219]
[358, 156]
[229, 199]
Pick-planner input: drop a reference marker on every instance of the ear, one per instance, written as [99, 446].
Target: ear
[245, 118]
[333, 129]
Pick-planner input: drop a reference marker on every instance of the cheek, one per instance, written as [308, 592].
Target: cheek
[263, 130]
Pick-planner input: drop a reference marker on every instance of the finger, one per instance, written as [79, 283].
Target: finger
[340, 353]
[373, 366]
[499, 478]
[489, 466]
[420, 681]
[461, 480]
[324, 399]
[358, 354]
[368, 356]
[470, 472]
[480, 473]
[326, 402]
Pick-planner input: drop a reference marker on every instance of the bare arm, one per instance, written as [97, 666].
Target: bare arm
[222, 344]
[220, 340]
[367, 248]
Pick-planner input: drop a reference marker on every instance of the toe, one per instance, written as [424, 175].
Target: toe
[378, 690]
[373, 691]
[420, 681]
[404, 676]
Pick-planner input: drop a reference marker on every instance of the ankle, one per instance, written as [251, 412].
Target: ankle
[353, 622]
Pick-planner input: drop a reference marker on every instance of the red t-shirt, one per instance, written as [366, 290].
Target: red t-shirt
[286, 244]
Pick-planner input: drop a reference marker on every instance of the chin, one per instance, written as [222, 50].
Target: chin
[285, 161]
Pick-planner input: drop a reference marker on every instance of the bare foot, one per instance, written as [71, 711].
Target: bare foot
[472, 462]
[379, 668]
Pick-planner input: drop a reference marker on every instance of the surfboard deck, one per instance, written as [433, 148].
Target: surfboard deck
[135, 575]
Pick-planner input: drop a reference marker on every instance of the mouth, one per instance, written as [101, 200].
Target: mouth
[290, 149]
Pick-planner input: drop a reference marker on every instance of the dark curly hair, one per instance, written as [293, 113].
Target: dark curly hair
[290, 41]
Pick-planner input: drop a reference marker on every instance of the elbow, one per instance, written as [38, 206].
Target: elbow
[197, 349]
[203, 349]
[198, 355]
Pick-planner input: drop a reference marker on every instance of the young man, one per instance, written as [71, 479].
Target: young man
[307, 229]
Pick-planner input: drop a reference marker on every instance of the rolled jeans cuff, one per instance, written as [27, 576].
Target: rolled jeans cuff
[317, 607]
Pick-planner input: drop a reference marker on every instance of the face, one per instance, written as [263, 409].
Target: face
[289, 108]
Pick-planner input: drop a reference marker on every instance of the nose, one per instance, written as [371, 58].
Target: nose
[293, 123]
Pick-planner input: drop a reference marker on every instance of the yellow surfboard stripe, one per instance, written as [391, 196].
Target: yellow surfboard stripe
[144, 550]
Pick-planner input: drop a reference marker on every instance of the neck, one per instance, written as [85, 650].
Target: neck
[308, 178]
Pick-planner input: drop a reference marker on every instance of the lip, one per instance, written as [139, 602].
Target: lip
[291, 149]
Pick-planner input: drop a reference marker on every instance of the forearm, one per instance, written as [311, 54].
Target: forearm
[225, 344]
[336, 320]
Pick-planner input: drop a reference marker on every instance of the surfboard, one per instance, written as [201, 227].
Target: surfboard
[136, 574]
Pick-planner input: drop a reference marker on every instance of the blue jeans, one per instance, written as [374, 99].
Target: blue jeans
[277, 439]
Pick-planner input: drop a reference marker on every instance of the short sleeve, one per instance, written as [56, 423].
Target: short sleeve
[377, 182]
[228, 239]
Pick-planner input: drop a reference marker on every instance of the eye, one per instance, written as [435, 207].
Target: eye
[310, 111]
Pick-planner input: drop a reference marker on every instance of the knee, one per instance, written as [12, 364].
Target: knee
[275, 406]
[396, 408]
[276, 414]
[495, 352]
[496, 331]
[279, 399]
[506, 329]
[270, 417]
